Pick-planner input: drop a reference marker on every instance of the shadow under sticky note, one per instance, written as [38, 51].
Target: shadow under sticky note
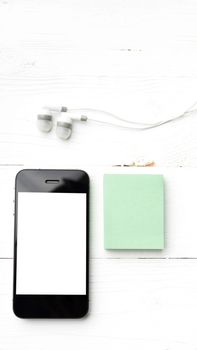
[133, 211]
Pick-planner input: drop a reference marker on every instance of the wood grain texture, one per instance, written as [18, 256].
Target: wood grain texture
[132, 58]
[135, 58]
[140, 303]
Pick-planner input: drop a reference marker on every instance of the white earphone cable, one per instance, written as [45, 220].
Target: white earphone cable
[137, 128]
[142, 126]
[98, 111]
[134, 125]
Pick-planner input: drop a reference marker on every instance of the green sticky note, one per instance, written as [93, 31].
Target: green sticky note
[133, 211]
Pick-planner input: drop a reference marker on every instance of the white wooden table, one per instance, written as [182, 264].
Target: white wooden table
[134, 58]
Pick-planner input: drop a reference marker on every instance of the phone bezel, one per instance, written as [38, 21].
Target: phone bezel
[51, 306]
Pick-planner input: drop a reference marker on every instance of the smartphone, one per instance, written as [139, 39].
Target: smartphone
[51, 244]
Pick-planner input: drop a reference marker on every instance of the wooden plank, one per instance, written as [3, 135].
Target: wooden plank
[93, 143]
[180, 211]
[147, 304]
[132, 60]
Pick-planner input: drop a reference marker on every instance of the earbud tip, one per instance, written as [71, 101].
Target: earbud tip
[64, 130]
[44, 122]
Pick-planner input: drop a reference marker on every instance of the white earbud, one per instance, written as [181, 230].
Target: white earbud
[65, 122]
[64, 130]
[45, 122]
[64, 126]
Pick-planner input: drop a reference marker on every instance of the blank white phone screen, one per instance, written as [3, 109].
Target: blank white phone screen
[51, 243]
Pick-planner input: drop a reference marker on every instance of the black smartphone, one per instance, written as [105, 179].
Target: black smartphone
[51, 244]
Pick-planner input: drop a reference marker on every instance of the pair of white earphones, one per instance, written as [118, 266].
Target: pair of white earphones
[65, 117]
